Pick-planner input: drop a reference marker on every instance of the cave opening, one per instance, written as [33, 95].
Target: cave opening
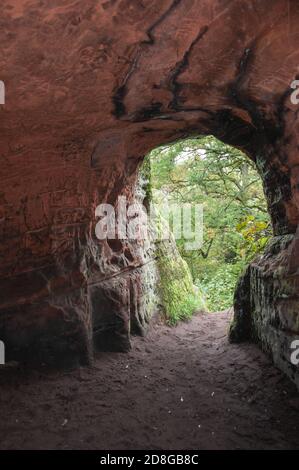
[87, 90]
[215, 190]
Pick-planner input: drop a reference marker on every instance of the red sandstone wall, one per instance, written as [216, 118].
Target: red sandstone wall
[90, 88]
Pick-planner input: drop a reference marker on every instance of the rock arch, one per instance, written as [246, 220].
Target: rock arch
[90, 89]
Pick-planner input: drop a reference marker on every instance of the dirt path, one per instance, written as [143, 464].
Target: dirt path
[179, 388]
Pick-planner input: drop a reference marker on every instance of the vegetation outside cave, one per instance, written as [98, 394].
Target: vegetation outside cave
[237, 225]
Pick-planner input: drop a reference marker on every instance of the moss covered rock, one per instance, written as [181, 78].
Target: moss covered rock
[178, 297]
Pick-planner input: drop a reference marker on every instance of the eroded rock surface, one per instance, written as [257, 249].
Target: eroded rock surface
[91, 87]
[266, 303]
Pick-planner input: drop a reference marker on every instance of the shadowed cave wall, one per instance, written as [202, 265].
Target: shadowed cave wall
[91, 88]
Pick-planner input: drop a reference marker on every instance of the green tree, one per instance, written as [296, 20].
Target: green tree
[236, 222]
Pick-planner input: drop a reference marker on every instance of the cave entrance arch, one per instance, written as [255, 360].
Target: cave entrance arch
[172, 70]
[254, 302]
[191, 180]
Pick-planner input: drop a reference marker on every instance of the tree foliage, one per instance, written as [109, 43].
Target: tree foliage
[205, 171]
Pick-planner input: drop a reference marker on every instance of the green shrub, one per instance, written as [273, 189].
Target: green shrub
[219, 289]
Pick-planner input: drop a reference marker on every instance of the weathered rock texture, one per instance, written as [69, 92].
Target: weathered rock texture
[266, 303]
[90, 88]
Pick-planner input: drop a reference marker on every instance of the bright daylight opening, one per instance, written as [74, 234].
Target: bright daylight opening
[236, 224]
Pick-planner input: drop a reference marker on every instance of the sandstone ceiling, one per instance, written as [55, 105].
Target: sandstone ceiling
[122, 76]
[93, 85]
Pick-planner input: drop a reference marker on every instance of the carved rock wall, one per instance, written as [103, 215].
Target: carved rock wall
[91, 87]
[266, 303]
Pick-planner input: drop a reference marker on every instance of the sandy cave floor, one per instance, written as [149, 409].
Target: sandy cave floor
[179, 388]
